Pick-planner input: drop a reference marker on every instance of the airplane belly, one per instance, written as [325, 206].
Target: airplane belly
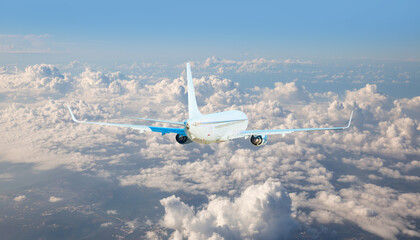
[204, 135]
[214, 128]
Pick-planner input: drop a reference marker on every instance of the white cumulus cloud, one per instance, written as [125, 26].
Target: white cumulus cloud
[111, 212]
[19, 198]
[262, 211]
[55, 199]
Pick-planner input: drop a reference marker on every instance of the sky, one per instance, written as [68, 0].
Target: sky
[167, 31]
[299, 64]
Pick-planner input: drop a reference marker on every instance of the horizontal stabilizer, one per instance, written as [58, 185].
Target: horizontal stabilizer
[224, 121]
[157, 120]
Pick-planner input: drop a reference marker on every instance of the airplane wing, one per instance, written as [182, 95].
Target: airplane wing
[283, 132]
[141, 128]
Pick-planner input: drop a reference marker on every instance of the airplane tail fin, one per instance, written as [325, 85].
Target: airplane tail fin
[192, 102]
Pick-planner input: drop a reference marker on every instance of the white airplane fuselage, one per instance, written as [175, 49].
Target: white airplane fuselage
[216, 127]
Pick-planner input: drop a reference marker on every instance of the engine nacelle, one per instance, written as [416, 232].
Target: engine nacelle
[181, 139]
[258, 140]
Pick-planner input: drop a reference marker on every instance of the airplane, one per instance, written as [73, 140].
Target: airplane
[210, 128]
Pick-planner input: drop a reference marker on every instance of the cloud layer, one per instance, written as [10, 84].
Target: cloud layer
[367, 175]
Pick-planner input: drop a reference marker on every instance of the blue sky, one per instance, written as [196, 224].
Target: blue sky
[178, 31]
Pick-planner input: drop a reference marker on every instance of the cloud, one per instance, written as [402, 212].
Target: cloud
[36, 82]
[19, 198]
[378, 210]
[32, 131]
[152, 235]
[31, 43]
[260, 212]
[365, 163]
[288, 93]
[255, 65]
[111, 212]
[347, 178]
[130, 226]
[408, 166]
[55, 199]
[388, 172]
[5, 177]
[374, 177]
[106, 224]
[319, 169]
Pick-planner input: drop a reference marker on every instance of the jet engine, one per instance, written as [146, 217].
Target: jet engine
[181, 139]
[258, 140]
